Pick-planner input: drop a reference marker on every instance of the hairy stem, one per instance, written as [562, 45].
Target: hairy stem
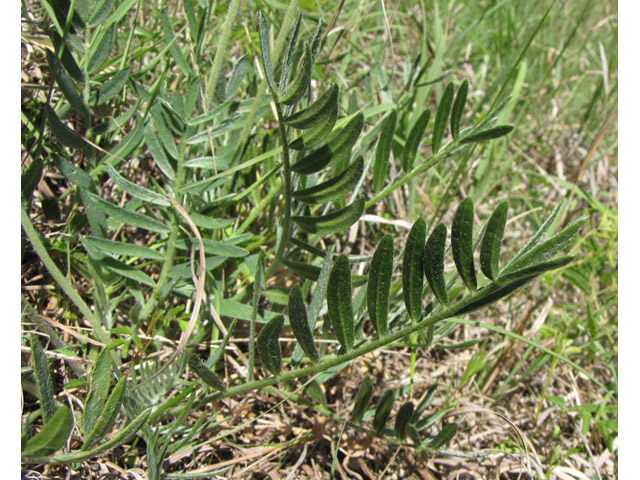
[61, 280]
[286, 173]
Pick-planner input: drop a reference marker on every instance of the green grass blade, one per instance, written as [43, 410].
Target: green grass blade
[383, 150]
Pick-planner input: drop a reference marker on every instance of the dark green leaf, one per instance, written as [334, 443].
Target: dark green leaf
[402, 420]
[535, 269]
[207, 375]
[95, 214]
[442, 118]
[98, 391]
[444, 436]
[338, 147]
[413, 140]
[108, 416]
[164, 133]
[379, 286]
[434, 263]
[362, 399]
[74, 174]
[136, 190]
[67, 59]
[545, 250]
[170, 40]
[315, 113]
[300, 83]
[66, 85]
[265, 50]
[336, 187]
[462, 243]
[412, 270]
[488, 134]
[128, 271]
[64, 134]
[126, 216]
[304, 270]
[320, 132]
[157, 152]
[240, 71]
[339, 302]
[53, 436]
[101, 47]
[492, 241]
[122, 436]
[291, 50]
[31, 177]
[42, 373]
[99, 11]
[383, 150]
[332, 222]
[458, 108]
[383, 410]
[113, 87]
[300, 323]
[491, 294]
[540, 233]
[268, 345]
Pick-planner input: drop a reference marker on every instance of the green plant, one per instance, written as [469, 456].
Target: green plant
[257, 206]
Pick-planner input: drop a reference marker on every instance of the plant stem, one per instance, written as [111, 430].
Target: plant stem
[286, 173]
[60, 278]
[221, 50]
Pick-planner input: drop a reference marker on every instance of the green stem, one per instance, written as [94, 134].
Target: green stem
[171, 242]
[288, 24]
[60, 278]
[286, 173]
[408, 176]
[221, 50]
